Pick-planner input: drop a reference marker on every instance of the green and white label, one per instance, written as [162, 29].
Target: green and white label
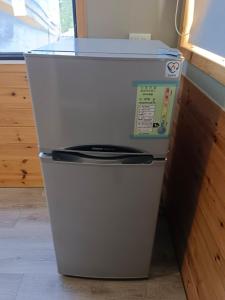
[154, 105]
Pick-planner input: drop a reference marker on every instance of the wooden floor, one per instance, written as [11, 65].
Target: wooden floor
[28, 267]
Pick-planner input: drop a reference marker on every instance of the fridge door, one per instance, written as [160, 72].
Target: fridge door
[103, 213]
[81, 100]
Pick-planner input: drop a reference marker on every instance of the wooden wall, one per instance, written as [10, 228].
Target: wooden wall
[195, 191]
[19, 163]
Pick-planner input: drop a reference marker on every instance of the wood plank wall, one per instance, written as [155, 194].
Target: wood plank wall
[19, 163]
[195, 193]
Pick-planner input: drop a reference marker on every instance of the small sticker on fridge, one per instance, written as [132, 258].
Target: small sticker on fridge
[173, 69]
[154, 105]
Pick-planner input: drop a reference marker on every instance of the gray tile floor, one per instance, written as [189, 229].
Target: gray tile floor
[28, 267]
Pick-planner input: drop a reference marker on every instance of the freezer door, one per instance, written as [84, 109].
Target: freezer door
[80, 100]
[103, 215]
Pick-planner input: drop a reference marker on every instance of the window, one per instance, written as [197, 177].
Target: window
[204, 46]
[30, 24]
[208, 29]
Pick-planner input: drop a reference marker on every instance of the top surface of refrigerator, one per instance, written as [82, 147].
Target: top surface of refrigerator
[104, 92]
[90, 47]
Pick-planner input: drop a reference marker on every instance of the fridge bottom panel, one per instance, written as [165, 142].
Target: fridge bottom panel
[103, 217]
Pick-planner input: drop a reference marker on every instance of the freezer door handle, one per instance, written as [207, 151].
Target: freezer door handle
[104, 149]
[81, 157]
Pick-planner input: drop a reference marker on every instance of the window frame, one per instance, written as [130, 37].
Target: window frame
[208, 62]
[81, 15]
[19, 55]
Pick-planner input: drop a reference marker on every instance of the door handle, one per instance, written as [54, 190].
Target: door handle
[104, 149]
[147, 160]
[76, 156]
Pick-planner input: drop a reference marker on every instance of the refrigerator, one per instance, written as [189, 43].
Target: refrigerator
[103, 110]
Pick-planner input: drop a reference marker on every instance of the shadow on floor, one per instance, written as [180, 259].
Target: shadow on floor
[28, 267]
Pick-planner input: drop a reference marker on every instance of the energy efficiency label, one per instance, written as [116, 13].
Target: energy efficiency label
[154, 106]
